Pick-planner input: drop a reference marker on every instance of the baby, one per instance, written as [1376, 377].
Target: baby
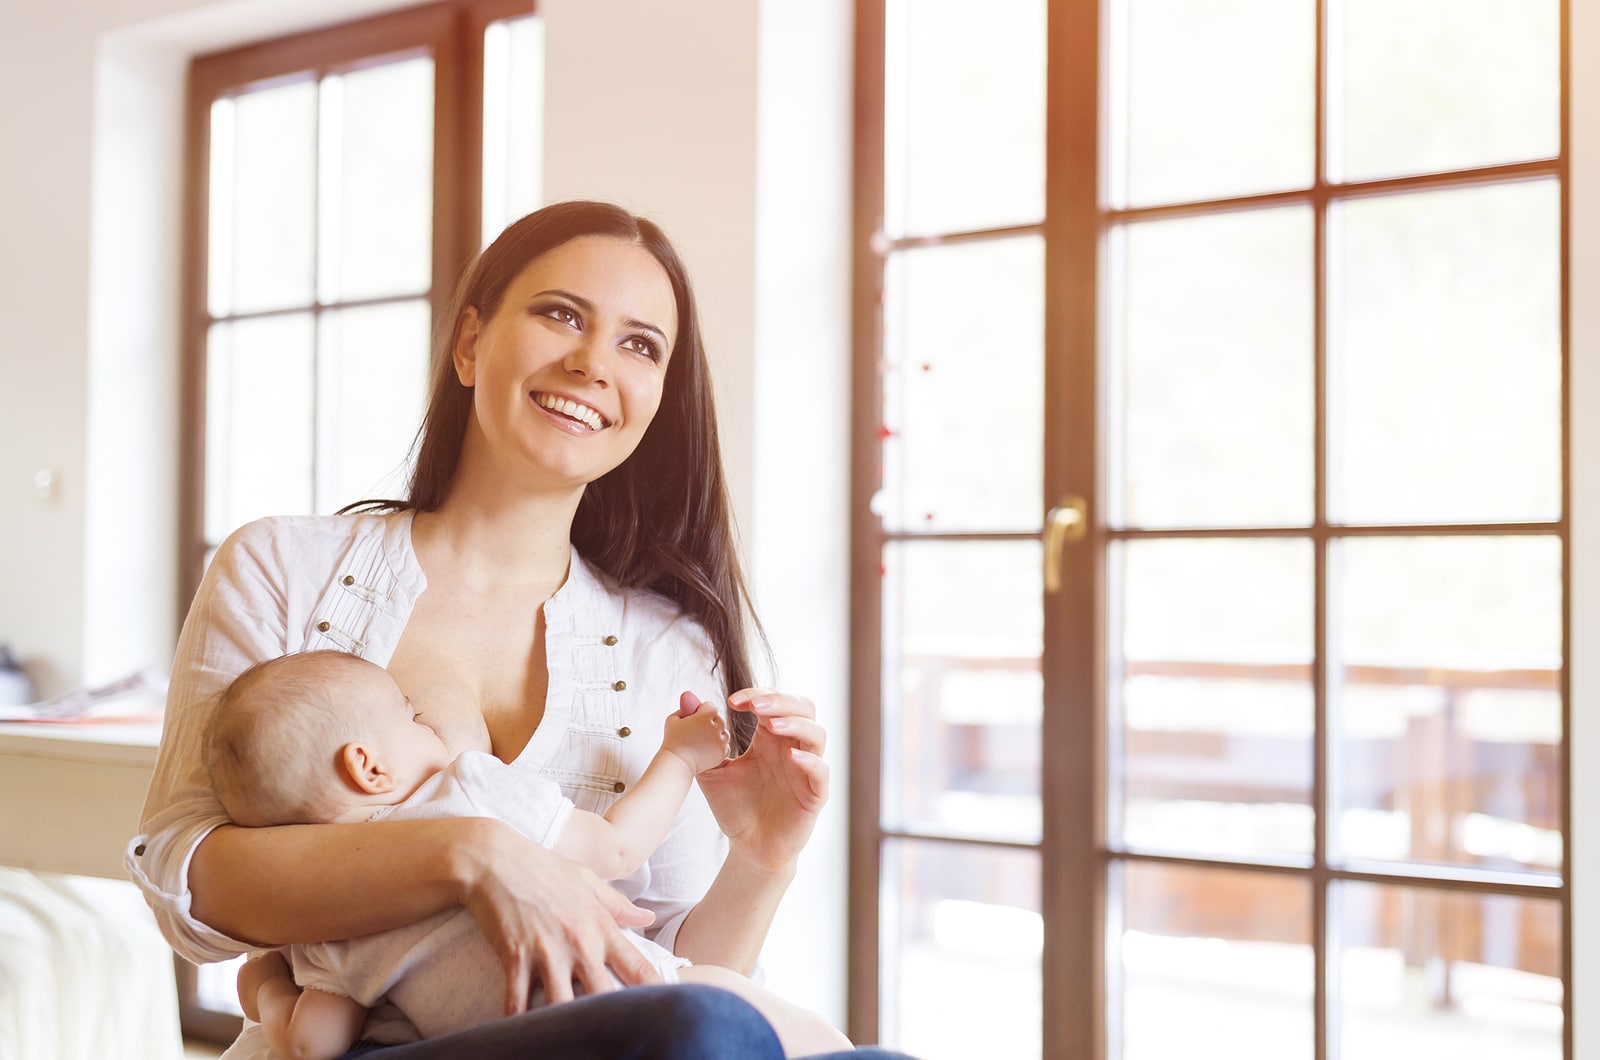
[325, 736]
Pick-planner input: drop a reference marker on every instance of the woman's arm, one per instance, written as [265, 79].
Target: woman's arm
[312, 883]
[549, 920]
[766, 802]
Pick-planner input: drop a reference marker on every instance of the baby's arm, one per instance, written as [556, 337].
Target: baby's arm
[299, 1024]
[618, 843]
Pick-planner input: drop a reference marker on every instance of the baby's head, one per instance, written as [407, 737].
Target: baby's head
[310, 737]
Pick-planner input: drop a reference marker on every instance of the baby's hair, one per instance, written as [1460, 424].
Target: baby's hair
[275, 734]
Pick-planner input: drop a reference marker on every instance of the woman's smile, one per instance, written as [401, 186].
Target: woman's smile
[570, 413]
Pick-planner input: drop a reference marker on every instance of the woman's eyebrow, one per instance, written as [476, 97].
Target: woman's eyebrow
[588, 307]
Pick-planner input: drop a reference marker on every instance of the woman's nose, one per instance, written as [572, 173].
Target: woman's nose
[588, 359]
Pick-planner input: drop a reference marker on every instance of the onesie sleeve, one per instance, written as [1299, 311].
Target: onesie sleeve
[531, 804]
[238, 618]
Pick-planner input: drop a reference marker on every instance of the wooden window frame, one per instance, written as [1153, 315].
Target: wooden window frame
[1075, 858]
[451, 31]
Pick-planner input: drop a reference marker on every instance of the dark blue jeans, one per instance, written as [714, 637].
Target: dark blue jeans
[683, 1022]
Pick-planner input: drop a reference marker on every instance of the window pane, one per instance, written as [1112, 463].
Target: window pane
[378, 134]
[1219, 98]
[1446, 332]
[268, 213]
[962, 689]
[1211, 965]
[1214, 711]
[374, 362]
[1431, 973]
[258, 421]
[1216, 347]
[1423, 86]
[1447, 685]
[964, 127]
[513, 122]
[962, 938]
[218, 984]
[963, 383]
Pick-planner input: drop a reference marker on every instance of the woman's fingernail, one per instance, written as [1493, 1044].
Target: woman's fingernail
[778, 724]
[760, 703]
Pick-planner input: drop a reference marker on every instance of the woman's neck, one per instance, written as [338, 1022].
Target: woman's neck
[489, 536]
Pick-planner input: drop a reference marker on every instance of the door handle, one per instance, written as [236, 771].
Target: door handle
[1065, 524]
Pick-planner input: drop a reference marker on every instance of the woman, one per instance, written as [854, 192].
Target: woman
[569, 522]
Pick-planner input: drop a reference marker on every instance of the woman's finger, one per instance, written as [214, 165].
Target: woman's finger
[769, 703]
[556, 978]
[590, 973]
[518, 969]
[624, 912]
[809, 779]
[630, 965]
[807, 735]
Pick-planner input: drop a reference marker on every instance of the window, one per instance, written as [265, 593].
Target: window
[1211, 519]
[338, 181]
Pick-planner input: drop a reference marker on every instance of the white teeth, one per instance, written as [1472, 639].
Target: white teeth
[582, 413]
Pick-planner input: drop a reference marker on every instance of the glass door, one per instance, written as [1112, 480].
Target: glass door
[1222, 685]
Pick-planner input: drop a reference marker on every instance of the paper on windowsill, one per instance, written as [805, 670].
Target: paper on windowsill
[137, 697]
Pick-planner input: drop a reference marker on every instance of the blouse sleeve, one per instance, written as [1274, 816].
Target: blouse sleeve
[239, 617]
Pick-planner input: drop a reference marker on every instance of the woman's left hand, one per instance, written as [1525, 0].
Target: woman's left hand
[767, 800]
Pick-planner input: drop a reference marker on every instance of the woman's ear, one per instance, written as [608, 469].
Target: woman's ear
[465, 354]
[360, 764]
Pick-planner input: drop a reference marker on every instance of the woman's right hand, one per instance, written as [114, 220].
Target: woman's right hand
[552, 921]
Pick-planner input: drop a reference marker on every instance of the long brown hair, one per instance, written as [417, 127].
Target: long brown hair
[661, 520]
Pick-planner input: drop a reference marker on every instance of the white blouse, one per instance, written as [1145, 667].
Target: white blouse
[617, 659]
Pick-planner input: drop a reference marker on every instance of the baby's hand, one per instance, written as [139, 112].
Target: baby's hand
[699, 738]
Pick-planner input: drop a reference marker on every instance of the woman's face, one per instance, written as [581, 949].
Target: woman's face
[568, 372]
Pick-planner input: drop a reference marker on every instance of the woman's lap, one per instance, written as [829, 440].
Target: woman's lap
[684, 1022]
[687, 1022]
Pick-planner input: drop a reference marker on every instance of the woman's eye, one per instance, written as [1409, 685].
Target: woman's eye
[639, 344]
[562, 315]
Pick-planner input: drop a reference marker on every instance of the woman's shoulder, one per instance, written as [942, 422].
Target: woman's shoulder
[300, 535]
[283, 545]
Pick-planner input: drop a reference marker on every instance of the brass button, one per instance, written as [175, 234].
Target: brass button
[618, 686]
[349, 579]
[610, 640]
[324, 626]
[138, 851]
[624, 732]
[619, 787]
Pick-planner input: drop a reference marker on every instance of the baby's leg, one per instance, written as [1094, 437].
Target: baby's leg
[262, 971]
[803, 1033]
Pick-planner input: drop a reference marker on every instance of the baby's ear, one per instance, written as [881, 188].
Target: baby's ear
[361, 766]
